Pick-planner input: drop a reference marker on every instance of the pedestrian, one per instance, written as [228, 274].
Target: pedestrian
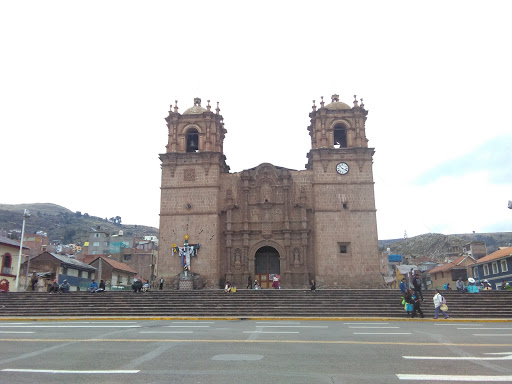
[472, 288]
[505, 286]
[275, 282]
[313, 285]
[409, 302]
[93, 286]
[161, 283]
[101, 287]
[249, 282]
[256, 285]
[417, 286]
[403, 285]
[227, 286]
[461, 287]
[416, 307]
[137, 285]
[486, 286]
[64, 287]
[54, 287]
[438, 301]
[33, 281]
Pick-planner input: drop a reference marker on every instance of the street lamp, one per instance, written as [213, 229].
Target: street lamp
[26, 214]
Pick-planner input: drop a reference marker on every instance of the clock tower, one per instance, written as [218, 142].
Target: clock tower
[344, 225]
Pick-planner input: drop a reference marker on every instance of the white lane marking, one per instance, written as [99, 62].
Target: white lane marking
[509, 328]
[113, 322]
[508, 357]
[365, 323]
[382, 333]
[239, 357]
[277, 322]
[193, 322]
[81, 322]
[69, 326]
[166, 332]
[69, 371]
[458, 378]
[498, 353]
[9, 332]
[375, 327]
[492, 334]
[451, 324]
[187, 326]
[271, 332]
[291, 326]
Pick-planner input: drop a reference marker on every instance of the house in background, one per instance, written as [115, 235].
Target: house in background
[407, 271]
[60, 268]
[116, 274]
[139, 254]
[9, 252]
[494, 267]
[476, 249]
[450, 272]
[37, 242]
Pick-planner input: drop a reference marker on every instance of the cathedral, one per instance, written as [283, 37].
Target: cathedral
[268, 221]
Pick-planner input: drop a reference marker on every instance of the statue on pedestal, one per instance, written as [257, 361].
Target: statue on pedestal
[186, 252]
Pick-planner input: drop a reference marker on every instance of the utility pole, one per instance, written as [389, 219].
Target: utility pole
[26, 214]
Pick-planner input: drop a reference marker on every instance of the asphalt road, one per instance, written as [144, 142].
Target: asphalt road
[285, 351]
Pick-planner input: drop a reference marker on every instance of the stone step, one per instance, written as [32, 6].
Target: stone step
[247, 303]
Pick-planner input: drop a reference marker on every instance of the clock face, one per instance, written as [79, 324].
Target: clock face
[342, 168]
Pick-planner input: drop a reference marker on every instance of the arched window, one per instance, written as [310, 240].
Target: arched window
[6, 264]
[7, 260]
[192, 140]
[340, 136]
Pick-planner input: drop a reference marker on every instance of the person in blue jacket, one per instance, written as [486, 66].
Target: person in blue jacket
[93, 287]
[403, 285]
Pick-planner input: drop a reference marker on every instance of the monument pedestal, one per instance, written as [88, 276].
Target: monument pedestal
[186, 281]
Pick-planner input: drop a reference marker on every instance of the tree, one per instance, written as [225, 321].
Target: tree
[78, 214]
[68, 236]
[118, 220]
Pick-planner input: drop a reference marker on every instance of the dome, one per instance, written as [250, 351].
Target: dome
[336, 104]
[196, 109]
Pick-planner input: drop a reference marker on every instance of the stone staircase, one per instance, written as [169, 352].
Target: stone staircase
[248, 304]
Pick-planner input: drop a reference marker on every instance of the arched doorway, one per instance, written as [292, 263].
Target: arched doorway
[266, 265]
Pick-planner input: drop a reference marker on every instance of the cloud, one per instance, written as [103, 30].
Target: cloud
[493, 157]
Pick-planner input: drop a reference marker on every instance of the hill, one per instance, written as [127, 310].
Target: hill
[436, 246]
[73, 227]
[62, 224]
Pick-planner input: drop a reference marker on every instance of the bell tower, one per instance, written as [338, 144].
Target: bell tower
[345, 224]
[191, 169]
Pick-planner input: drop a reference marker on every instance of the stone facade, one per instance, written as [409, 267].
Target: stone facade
[318, 223]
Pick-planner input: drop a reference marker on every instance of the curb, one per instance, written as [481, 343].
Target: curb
[240, 318]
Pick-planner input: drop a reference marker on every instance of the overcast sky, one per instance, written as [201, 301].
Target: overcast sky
[85, 88]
